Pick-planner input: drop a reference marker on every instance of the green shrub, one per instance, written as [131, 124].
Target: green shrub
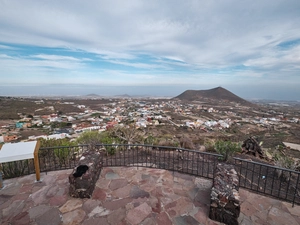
[107, 138]
[93, 138]
[169, 143]
[16, 168]
[55, 142]
[150, 140]
[209, 145]
[285, 162]
[282, 160]
[62, 154]
[186, 142]
[227, 149]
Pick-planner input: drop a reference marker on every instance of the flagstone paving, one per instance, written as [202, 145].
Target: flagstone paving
[129, 195]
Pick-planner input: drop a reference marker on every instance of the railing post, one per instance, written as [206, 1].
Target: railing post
[295, 193]
[1, 179]
[36, 161]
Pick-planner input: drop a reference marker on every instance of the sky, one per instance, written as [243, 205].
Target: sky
[157, 48]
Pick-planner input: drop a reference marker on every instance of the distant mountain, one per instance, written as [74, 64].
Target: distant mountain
[217, 94]
[122, 96]
[93, 95]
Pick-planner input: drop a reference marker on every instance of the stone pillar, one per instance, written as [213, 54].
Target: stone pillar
[85, 175]
[225, 199]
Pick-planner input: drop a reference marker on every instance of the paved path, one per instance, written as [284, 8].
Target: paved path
[129, 196]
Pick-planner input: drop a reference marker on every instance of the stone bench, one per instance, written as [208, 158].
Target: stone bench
[225, 199]
[85, 175]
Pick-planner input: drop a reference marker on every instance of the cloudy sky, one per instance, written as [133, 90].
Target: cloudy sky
[136, 47]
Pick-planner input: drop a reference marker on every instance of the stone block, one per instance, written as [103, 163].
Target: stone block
[225, 199]
[85, 175]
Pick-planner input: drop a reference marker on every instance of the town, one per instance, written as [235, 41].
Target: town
[171, 134]
[166, 119]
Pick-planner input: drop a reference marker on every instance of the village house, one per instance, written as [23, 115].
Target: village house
[9, 138]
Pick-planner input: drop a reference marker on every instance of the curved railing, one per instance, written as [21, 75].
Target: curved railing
[161, 157]
[258, 177]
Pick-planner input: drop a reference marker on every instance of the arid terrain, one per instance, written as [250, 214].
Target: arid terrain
[185, 120]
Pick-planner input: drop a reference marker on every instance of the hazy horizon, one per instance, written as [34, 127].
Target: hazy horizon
[155, 48]
[148, 91]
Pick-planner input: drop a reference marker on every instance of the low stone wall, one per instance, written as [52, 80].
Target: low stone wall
[85, 175]
[225, 199]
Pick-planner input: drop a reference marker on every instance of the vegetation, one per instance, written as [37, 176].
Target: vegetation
[107, 138]
[128, 134]
[209, 145]
[150, 140]
[227, 149]
[168, 142]
[282, 160]
[286, 162]
[61, 125]
[62, 152]
[16, 168]
[186, 142]
[55, 142]
[93, 138]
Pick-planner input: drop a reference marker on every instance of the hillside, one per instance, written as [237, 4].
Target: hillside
[215, 94]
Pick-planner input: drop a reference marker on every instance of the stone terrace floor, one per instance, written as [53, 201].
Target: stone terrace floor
[129, 196]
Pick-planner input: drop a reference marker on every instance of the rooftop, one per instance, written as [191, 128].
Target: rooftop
[129, 195]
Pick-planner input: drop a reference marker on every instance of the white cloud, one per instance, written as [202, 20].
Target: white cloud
[55, 57]
[4, 56]
[5, 47]
[201, 37]
[138, 65]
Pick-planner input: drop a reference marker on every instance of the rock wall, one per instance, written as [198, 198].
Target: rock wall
[225, 199]
[85, 175]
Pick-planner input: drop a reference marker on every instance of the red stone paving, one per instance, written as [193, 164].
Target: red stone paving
[131, 195]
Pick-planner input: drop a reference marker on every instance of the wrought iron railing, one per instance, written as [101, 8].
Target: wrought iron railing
[50, 159]
[17, 168]
[61, 157]
[258, 177]
[269, 180]
[162, 157]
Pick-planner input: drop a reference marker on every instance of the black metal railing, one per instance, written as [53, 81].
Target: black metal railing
[261, 178]
[17, 168]
[269, 180]
[50, 159]
[162, 157]
[61, 157]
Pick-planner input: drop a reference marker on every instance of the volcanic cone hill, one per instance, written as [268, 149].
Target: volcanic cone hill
[215, 94]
